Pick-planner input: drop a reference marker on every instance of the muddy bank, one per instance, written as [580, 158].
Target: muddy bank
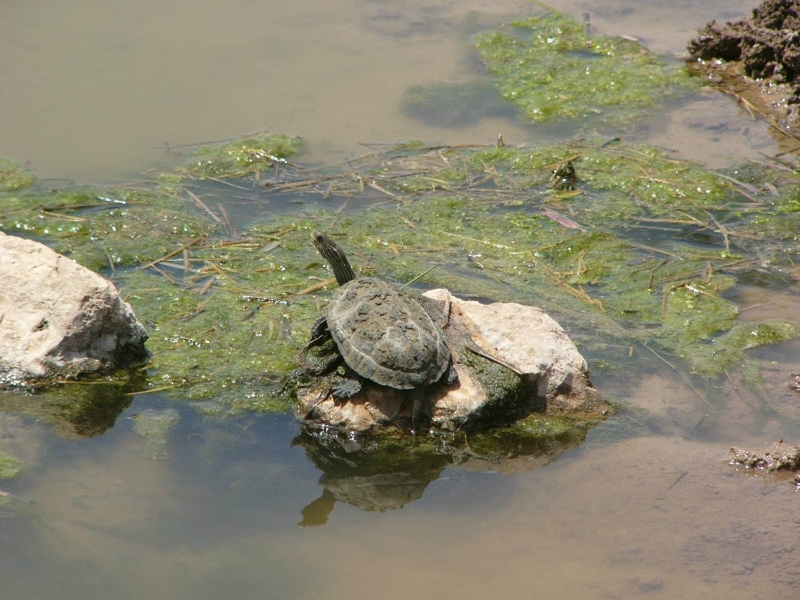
[756, 59]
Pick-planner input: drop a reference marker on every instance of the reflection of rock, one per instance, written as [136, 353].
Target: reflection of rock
[780, 460]
[372, 477]
[390, 471]
[554, 375]
[378, 492]
[58, 318]
[79, 411]
[529, 444]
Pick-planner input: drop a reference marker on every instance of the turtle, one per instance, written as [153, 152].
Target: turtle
[383, 334]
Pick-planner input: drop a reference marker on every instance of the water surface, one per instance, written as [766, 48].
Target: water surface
[94, 90]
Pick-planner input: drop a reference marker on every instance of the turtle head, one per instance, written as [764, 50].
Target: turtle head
[333, 253]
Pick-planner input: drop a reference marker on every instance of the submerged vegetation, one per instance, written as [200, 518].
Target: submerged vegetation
[453, 104]
[9, 466]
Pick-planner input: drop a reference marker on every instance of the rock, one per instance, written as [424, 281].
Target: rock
[527, 338]
[779, 456]
[59, 319]
[554, 376]
[777, 462]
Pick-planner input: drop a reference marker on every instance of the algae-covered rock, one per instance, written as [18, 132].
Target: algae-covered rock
[550, 68]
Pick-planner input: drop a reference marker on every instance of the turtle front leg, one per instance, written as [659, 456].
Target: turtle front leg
[347, 387]
[319, 333]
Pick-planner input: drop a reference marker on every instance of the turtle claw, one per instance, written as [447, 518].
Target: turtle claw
[346, 388]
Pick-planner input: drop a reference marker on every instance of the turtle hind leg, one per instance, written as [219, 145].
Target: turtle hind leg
[417, 396]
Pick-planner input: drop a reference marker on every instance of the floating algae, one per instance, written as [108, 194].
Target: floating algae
[104, 228]
[551, 69]
[13, 177]
[242, 157]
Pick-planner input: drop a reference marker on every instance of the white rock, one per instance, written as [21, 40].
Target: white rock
[59, 319]
[530, 340]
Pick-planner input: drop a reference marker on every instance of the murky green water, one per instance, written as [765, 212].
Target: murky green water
[169, 503]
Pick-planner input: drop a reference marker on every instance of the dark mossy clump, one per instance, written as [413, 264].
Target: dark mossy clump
[453, 104]
[755, 59]
[551, 69]
[242, 157]
[506, 392]
[13, 177]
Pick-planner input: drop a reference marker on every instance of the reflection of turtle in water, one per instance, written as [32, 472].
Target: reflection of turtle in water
[383, 334]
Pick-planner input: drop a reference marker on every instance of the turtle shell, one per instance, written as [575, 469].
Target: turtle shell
[385, 335]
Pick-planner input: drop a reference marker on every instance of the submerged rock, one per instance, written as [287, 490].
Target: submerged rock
[58, 318]
[780, 460]
[552, 375]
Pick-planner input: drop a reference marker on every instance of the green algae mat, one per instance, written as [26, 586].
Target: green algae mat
[635, 260]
